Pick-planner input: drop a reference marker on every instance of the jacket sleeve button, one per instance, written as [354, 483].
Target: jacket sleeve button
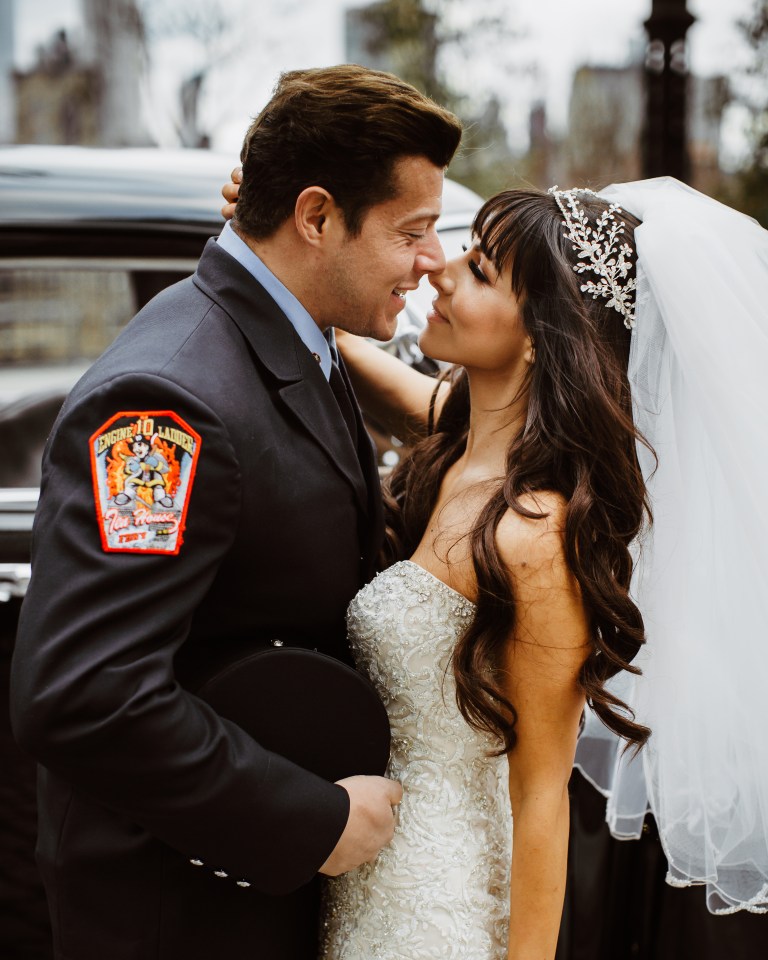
[196, 863]
[243, 883]
[220, 873]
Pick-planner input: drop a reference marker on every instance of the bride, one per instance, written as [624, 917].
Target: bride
[515, 527]
[506, 603]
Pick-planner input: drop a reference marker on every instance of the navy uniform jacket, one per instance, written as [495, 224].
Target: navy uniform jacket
[274, 524]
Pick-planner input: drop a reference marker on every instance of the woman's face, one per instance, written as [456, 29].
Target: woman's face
[476, 319]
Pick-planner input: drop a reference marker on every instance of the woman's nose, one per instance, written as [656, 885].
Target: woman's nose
[442, 280]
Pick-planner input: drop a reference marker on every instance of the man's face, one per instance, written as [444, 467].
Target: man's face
[366, 276]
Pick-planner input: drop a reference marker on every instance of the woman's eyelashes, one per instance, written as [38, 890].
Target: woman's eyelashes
[479, 275]
[475, 267]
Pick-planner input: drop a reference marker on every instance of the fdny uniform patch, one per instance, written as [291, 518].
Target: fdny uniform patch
[143, 467]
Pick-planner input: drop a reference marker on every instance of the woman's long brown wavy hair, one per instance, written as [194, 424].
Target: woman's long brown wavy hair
[578, 440]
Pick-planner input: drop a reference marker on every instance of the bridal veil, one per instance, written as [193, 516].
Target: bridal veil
[699, 376]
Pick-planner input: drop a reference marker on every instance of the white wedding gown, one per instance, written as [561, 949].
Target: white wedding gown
[440, 890]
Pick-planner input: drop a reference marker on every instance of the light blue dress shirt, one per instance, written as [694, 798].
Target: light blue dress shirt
[309, 332]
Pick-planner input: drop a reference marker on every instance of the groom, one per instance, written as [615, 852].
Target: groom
[208, 482]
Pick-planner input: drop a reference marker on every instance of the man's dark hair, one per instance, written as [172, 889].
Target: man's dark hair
[341, 128]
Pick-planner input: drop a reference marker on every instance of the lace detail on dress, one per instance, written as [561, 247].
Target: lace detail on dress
[440, 890]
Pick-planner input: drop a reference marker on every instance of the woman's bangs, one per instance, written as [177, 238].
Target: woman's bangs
[495, 227]
[499, 227]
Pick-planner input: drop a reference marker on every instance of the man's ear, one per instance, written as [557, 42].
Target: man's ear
[315, 214]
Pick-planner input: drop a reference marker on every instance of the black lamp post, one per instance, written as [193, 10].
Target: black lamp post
[665, 150]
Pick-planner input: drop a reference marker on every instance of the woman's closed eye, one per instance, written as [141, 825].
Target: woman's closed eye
[479, 275]
[474, 266]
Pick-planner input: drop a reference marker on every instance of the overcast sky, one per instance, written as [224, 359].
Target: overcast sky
[558, 36]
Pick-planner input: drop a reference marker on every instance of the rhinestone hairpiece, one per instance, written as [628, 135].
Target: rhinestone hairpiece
[600, 251]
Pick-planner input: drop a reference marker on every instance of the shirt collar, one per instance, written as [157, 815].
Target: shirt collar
[308, 331]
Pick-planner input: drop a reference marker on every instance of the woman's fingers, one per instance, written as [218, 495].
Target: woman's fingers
[230, 191]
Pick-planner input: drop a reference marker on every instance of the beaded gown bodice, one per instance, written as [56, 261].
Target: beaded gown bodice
[440, 890]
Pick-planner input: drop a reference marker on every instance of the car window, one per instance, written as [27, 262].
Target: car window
[56, 317]
[55, 312]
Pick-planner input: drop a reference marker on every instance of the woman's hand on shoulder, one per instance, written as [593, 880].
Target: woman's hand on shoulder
[231, 191]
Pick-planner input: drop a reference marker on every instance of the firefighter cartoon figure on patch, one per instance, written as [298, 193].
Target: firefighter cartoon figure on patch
[146, 469]
[143, 468]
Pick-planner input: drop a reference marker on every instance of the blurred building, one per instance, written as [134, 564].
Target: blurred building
[57, 100]
[7, 102]
[539, 161]
[605, 120]
[88, 95]
[605, 125]
[707, 99]
[116, 47]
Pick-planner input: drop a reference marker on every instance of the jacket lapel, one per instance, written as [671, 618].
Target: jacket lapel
[279, 350]
[315, 406]
[374, 531]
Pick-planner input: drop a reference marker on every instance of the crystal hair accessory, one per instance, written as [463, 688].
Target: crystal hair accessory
[600, 251]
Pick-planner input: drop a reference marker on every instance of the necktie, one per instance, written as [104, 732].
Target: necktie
[336, 382]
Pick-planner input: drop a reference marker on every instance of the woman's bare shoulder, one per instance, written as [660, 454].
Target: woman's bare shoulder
[529, 541]
[550, 611]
